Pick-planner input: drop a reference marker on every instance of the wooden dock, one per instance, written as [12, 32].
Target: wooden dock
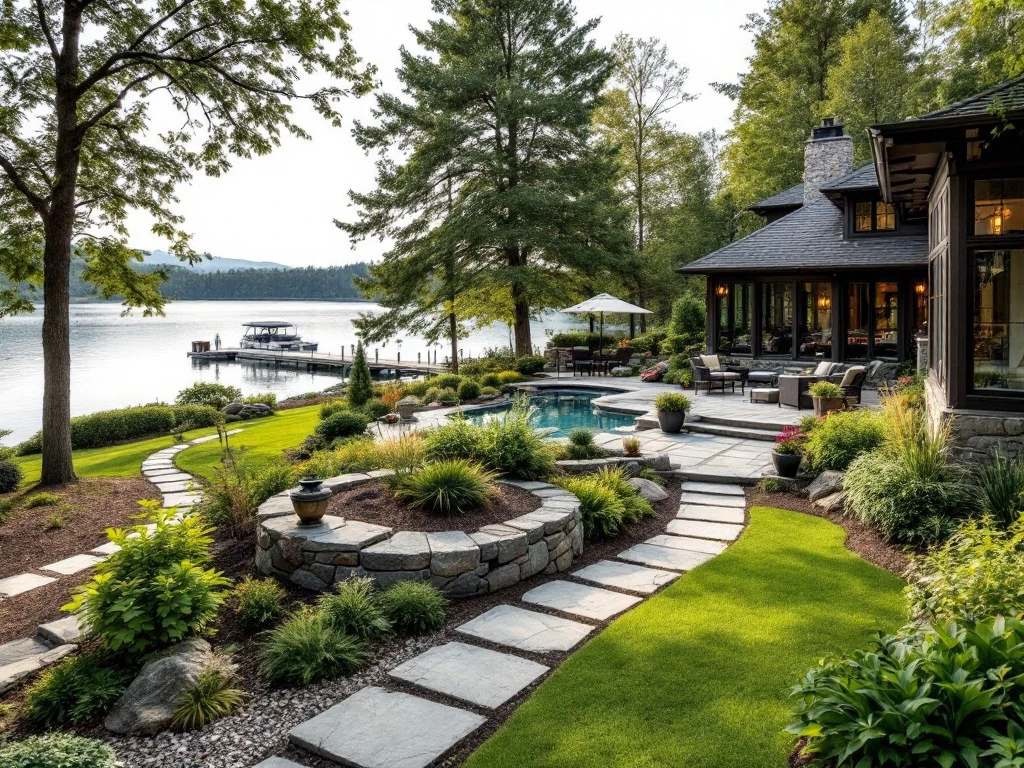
[315, 361]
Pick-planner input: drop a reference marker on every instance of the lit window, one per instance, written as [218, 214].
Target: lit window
[999, 206]
[874, 217]
[863, 221]
[885, 217]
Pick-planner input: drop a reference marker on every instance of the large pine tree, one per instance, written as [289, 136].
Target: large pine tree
[500, 184]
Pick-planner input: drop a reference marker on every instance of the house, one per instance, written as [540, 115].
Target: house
[923, 246]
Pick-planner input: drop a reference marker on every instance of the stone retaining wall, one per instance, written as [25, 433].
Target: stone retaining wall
[659, 462]
[545, 540]
[977, 434]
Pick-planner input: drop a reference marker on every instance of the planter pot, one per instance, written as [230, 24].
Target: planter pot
[826, 405]
[787, 464]
[671, 421]
[406, 406]
[310, 503]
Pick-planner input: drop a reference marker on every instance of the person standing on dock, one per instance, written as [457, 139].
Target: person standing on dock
[216, 341]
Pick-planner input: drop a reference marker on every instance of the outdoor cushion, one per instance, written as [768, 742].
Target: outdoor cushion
[725, 376]
[851, 375]
[823, 368]
[711, 362]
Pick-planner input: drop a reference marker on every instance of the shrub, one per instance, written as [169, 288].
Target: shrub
[214, 694]
[447, 487]
[208, 393]
[447, 396]
[257, 602]
[455, 440]
[57, 750]
[487, 391]
[825, 389]
[195, 416]
[108, 427]
[414, 607]
[447, 381]
[648, 343]
[237, 490]
[631, 445]
[390, 394]
[509, 445]
[581, 446]
[402, 454]
[430, 396]
[43, 499]
[841, 437]
[670, 402]
[306, 648]
[10, 476]
[374, 409]
[581, 437]
[155, 590]
[355, 608]
[635, 506]
[603, 512]
[770, 485]
[334, 406]
[358, 454]
[1001, 482]
[976, 574]
[529, 365]
[75, 691]
[340, 426]
[511, 377]
[945, 697]
[469, 390]
[268, 399]
[491, 380]
[675, 344]
[688, 318]
[360, 385]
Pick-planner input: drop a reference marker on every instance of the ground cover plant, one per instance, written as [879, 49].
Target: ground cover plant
[214, 694]
[77, 690]
[57, 750]
[698, 674]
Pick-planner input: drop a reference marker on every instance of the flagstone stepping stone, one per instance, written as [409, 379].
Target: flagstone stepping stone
[687, 542]
[181, 499]
[21, 658]
[106, 549]
[375, 728]
[470, 673]
[711, 514]
[23, 582]
[158, 464]
[580, 599]
[713, 500]
[635, 578]
[665, 557]
[73, 564]
[702, 530]
[169, 475]
[61, 631]
[526, 630]
[179, 486]
[721, 489]
[201, 440]
[277, 762]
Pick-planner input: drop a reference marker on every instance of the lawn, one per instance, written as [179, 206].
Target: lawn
[262, 438]
[699, 675]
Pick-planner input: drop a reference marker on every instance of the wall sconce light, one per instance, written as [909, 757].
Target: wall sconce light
[824, 302]
[721, 291]
[920, 289]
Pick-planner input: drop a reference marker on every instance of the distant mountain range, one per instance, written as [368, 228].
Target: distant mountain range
[216, 264]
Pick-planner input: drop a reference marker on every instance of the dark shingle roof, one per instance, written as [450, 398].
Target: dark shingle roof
[812, 238]
[1007, 96]
[787, 198]
[864, 177]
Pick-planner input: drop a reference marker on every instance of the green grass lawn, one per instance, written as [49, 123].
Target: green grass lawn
[699, 675]
[262, 438]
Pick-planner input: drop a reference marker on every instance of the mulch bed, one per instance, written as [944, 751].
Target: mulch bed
[374, 503]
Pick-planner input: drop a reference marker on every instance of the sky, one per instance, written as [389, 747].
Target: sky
[281, 207]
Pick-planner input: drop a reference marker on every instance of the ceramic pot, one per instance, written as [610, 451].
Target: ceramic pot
[671, 421]
[310, 502]
[787, 464]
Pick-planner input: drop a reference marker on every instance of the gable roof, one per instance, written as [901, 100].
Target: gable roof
[787, 198]
[812, 237]
[864, 178]
[1007, 96]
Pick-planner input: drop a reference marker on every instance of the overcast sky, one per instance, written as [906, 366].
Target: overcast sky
[281, 207]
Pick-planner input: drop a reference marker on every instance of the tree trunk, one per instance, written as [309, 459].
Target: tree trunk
[453, 332]
[521, 311]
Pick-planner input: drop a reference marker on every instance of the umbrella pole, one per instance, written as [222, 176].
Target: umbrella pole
[600, 346]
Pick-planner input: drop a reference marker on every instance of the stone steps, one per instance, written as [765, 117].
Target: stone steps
[722, 430]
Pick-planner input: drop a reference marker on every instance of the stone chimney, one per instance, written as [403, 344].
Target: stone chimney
[828, 154]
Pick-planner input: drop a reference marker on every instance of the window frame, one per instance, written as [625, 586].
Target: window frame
[851, 218]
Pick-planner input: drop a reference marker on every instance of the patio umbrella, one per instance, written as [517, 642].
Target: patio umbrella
[605, 303]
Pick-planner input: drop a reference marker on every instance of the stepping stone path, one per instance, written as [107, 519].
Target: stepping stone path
[376, 727]
[56, 639]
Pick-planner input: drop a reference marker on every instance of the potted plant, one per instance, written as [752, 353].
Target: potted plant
[788, 452]
[671, 409]
[827, 397]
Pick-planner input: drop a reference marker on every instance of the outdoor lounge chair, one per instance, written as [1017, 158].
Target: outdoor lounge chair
[620, 356]
[708, 373]
[582, 359]
[852, 383]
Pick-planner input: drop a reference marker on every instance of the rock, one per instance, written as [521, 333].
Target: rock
[503, 576]
[649, 489]
[405, 551]
[832, 503]
[466, 585]
[386, 579]
[511, 542]
[531, 524]
[452, 553]
[148, 705]
[537, 561]
[825, 484]
[307, 580]
[233, 409]
[631, 468]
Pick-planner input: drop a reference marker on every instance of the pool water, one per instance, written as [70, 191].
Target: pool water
[565, 410]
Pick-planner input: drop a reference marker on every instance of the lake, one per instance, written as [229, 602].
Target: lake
[118, 361]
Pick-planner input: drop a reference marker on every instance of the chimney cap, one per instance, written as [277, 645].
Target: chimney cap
[829, 129]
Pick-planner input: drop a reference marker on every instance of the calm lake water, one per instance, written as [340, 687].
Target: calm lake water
[118, 361]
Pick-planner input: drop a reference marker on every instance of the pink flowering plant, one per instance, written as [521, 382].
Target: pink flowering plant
[790, 441]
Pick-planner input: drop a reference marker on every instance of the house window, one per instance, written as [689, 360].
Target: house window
[920, 308]
[776, 314]
[998, 328]
[858, 320]
[816, 320]
[998, 206]
[886, 316]
[735, 317]
[874, 216]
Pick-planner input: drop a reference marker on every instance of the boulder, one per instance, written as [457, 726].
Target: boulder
[825, 484]
[631, 468]
[649, 489]
[832, 503]
[233, 409]
[147, 706]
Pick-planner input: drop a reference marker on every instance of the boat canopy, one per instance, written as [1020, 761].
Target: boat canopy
[267, 324]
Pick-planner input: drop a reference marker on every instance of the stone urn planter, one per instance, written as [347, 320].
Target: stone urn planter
[406, 406]
[311, 500]
[787, 464]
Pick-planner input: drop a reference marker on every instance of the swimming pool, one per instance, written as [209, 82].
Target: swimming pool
[564, 410]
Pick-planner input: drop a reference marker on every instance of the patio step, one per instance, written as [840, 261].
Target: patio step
[742, 433]
[759, 423]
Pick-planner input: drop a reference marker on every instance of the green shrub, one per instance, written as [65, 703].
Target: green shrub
[236, 491]
[10, 476]
[582, 437]
[156, 589]
[977, 573]
[109, 427]
[946, 697]
[450, 487]
[76, 690]
[306, 648]
[355, 608]
[334, 406]
[57, 750]
[430, 396]
[268, 399]
[1001, 481]
[581, 446]
[675, 344]
[511, 377]
[402, 454]
[257, 602]
[447, 381]
[195, 417]
[455, 440]
[488, 391]
[360, 383]
[374, 409]
[770, 485]
[358, 454]
[208, 393]
[510, 446]
[529, 365]
[635, 505]
[469, 390]
[415, 388]
[43, 499]
[670, 402]
[649, 342]
[688, 317]
[491, 380]
[414, 607]
[447, 397]
[841, 437]
[214, 694]
[603, 512]
[340, 426]
[825, 389]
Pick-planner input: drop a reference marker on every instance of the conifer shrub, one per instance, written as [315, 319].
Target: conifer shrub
[10, 476]
[360, 384]
[468, 390]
